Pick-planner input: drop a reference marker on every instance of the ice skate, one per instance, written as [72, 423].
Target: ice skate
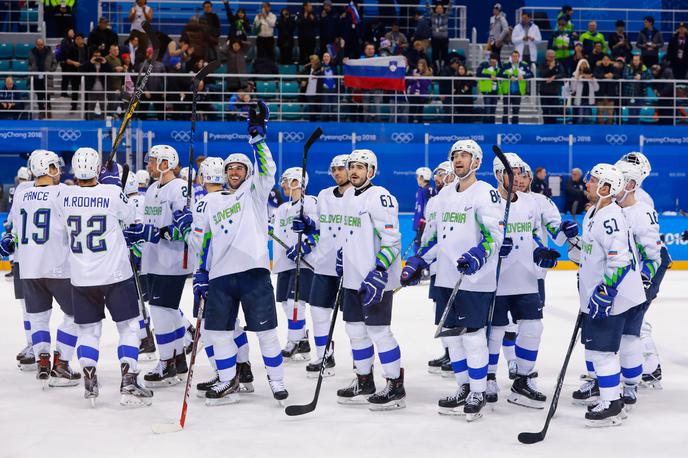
[245, 377]
[447, 371]
[492, 392]
[435, 365]
[222, 393]
[391, 397]
[524, 393]
[43, 366]
[189, 338]
[313, 368]
[133, 394]
[164, 374]
[61, 374]
[26, 361]
[653, 380]
[147, 349]
[629, 398]
[587, 394]
[362, 387]
[605, 413]
[453, 404]
[279, 390]
[474, 405]
[297, 351]
[180, 364]
[90, 384]
[203, 387]
[513, 370]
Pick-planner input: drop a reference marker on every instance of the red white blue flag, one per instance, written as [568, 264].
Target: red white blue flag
[376, 73]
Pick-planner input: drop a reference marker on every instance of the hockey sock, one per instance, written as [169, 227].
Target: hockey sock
[27, 323]
[296, 329]
[241, 341]
[66, 338]
[166, 322]
[589, 366]
[388, 350]
[361, 347]
[650, 353]
[225, 353]
[272, 353]
[128, 348]
[494, 345]
[509, 345]
[527, 344]
[457, 355]
[184, 320]
[608, 372]
[40, 332]
[182, 325]
[89, 340]
[631, 355]
[142, 327]
[209, 350]
[321, 327]
[475, 344]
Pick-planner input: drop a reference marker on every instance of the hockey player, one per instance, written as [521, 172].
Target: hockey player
[610, 289]
[284, 261]
[101, 273]
[234, 265]
[325, 283]
[423, 195]
[162, 261]
[197, 189]
[469, 215]
[143, 179]
[370, 265]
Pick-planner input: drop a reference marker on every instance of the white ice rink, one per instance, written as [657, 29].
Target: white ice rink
[59, 422]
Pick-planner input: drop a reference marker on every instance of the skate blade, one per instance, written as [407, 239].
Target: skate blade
[585, 402]
[471, 417]
[144, 357]
[447, 374]
[246, 387]
[62, 382]
[326, 373]
[172, 381]
[355, 401]
[92, 401]
[200, 394]
[45, 384]
[27, 367]
[281, 402]
[656, 385]
[229, 399]
[491, 400]
[131, 401]
[434, 370]
[164, 428]
[525, 402]
[611, 421]
[298, 357]
[392, 405]
[451, 411]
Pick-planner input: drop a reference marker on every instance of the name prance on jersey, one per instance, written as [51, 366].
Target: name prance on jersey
[454, 217]
[86, 202]
[226, 213]
[35, 195]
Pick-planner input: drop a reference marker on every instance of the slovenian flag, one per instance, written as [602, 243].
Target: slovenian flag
[376, 73]
[353, 12]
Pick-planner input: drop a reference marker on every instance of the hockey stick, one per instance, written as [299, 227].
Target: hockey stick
[202, 73]
[284, 245]
[162, 428]
[296, 410]
[453, 331]
[531, 438]
[297, 280]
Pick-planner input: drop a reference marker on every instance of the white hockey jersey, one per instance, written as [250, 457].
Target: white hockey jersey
[137, 202]
[93, 217]
[284, 216]
[642, 196]
[548, 221]
[645, 229]
[430, 219]
[464, 220]
[330, 217]
[371, 233]
[234, 225]
[606, 253]
[167, 256]
[42, 247]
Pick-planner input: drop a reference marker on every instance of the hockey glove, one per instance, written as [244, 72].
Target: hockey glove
[601, 301]
[339, 263]
[306, 248]
[139, 233]
[373, 287]
[200, 284]
[471, 261]
[7, 244]
[506, 247]
[569, 228]
[413, 270]
[110, 176]
[182, 220]
[258, 122]
[574, 246]
[646, 273]
[545, 257]
[305, 225]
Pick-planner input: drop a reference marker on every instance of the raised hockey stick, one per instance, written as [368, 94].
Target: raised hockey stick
[296, 410]
[162, 428]
[202, 73]
[286, 247]
[532, 438]
[297, 279]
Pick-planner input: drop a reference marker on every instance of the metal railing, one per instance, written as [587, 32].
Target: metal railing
[226, 97]
[171, 16]
[20, 16]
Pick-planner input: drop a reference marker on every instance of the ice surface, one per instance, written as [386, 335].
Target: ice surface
[60, 422]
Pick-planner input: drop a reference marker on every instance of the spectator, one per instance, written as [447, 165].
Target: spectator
[515, 73]
[562, 44]
[265, 29]
[137, 14]
[634, 92]
[577, 56]
[311, 87]
[418, 90]
[416, 53]
[372, 98]
[619, 44]
[575, 193]
[95, 85]
[606, 73]
[499, 30]
[239, 104]
[329, 25]
[590, 37]
[114, 83]
[566, 14]
[286, 26]
[10, 101]
[463, 92]
[582, 90]
[488, 86]
[307, 27]
[596, 55]
[153, 96]
[540, 183]
[677, 53]
[440, 33]
[101, 37]
[397, 39]
[211, 19]
[350, 22]
[525, 37]
[202, 44]
[177, 55]
[236, 64]
[41, 59]
[664, 91]
[61, 53]
[135, 51]
[423, 30]
[385, 48]
[423, 195]
[238, 23]
[329, 87]
[64, 19]
[550, 89]
[649, 42]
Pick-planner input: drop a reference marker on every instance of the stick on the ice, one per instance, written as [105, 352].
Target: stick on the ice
[286, 247]
[297, 279]
[162, 428]
[296, 410]
[531, 438]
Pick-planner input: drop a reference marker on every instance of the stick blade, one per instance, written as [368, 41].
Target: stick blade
[164, 428]
[531, 438]
[295, 411]
[314, 136]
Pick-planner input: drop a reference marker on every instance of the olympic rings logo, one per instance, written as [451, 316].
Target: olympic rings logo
[69, 135]
[293, 137]
[511, 139]
[402, 137]
[180, 135]
[616, 139]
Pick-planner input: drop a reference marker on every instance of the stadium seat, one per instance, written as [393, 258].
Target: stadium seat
[6, 51]
[20, 65]
[222, 69]
[291, 111]
[266, 89]
[28, 15]
[288, 69]
[274, 108]
[4, 66]
[430, 113]
[289, 89]
[21, 84]
[22, 50]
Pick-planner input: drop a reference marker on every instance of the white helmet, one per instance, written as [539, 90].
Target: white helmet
[240, 158]
[630, 172]
[639, 160]
[23, 173]
[515, 162]
[40, 162]
[164, 153]
[339, 160]
[424, 172]
[364, 156]
[445, 166]
[86, 163]
[294, 173]
[184, 173]
[607, 174]
[142, 177]
[466, 146]
[213, 170]
[526, 169]
[132, 185]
